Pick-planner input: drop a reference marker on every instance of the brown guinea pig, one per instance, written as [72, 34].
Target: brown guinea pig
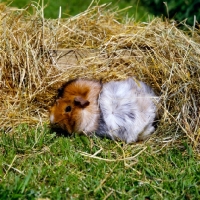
[76, 109]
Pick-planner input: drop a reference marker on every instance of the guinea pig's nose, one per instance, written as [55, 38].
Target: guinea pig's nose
[55, 126]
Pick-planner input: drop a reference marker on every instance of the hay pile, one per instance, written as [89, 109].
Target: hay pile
[37, 55]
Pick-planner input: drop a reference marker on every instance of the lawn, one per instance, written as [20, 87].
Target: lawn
[52, 8]
[38, 164]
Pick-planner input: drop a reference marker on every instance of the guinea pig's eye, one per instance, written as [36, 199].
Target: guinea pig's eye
[68, 109]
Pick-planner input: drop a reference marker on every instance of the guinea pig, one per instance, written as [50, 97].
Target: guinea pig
[123, 110]
[128, 110]
[76, 109]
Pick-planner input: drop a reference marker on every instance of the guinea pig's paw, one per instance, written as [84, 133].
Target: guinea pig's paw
[146, 133]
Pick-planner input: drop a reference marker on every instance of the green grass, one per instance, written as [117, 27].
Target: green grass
[74, 7]
[38, 164]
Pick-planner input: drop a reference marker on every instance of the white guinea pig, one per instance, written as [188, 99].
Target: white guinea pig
[128, 110]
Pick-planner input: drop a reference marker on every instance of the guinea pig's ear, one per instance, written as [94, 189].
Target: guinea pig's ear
[79, 101]
[60, 91]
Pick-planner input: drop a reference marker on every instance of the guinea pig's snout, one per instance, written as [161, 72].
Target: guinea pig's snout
[53, 122]
[58, 127]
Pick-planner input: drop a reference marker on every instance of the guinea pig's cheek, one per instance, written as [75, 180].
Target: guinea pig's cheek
[66, 126]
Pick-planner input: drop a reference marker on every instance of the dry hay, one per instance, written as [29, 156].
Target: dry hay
[37, 55]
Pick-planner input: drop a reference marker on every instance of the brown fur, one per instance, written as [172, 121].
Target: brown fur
[82, 114]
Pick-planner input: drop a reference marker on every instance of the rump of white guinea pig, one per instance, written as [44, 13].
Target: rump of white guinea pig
[128, 110]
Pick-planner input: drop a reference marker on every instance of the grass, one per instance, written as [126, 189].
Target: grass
[74, 7]
[38, 164]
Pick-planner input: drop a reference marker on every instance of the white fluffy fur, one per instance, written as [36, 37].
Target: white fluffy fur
[128, 110]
